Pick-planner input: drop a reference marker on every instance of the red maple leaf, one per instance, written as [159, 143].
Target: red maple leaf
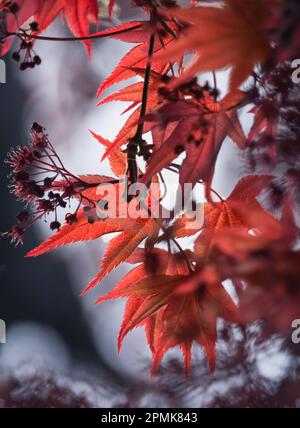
[132, 94]
[137, 57]
[267, 265]
[171, 318]
[117, 159]
[202, 151]
[220, 36]
[79, 14]
[132, 230]
[228, 213]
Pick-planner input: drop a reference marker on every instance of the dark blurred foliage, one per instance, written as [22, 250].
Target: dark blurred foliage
[238, 382]
[276, 149]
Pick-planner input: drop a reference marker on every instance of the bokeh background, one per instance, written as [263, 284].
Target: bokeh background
[61, 348]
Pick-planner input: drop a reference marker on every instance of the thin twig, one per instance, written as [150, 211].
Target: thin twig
[71, 39]
[136, 142]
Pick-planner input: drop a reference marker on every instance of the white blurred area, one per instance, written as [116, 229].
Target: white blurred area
[37, 365]
[61, 97]
[32, 347]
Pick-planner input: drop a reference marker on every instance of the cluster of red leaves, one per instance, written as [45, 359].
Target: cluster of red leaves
[78, 15]
[177, 294]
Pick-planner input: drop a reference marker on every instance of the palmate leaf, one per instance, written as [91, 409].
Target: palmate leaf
[121, 247]
[137, 57]
[117, 159]
[200, 158]
[226, 214]
[79, 14]
[170, 318]
[193, 318]
[133, 231]
[220, 36]
[199, 163]
[133, 94]
[82, 230]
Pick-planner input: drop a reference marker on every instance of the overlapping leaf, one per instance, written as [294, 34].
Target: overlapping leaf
[132, 94]
[133, 229]
[201, 157]
[137, 57]
[79, 14]
[228, 36]
[117, 159]
[229, 213]
[172, 319]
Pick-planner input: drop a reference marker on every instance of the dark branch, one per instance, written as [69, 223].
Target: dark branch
[137, 143]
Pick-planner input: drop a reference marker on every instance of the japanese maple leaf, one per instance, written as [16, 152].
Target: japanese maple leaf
[228, 214]
[193, 318]
[117, 159]
[267, 265]
[132, 94]
[183, 116]
[266, 120]
[200, 158]
[137, 57]
[165, 263]
[120, 248]
[173, 319]
[237, 242]
[77, 13]
[223, 122]
[226, 35]
[27, 9]
[132, 231]
[272, 287]
[82, 230]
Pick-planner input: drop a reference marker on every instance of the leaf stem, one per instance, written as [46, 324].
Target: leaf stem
[136, 143]
[175, 168]
[140, 128]
[72, 39]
